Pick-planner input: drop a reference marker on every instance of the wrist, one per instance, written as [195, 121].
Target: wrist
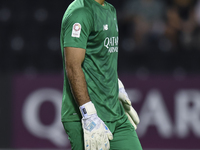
[87, 109]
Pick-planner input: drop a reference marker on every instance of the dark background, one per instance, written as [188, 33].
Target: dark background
[157, 38]
[5, 111]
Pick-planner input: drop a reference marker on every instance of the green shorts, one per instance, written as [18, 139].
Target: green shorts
[124, 135]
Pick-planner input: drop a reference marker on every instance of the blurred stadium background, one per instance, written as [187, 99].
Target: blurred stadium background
[159, 63]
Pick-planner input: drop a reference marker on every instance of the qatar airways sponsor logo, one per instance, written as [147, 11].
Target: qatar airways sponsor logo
[111, 43]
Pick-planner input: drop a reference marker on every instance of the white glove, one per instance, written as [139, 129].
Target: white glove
[126, 103]
[96, 133]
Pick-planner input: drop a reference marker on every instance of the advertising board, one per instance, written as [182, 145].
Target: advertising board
[169, 111]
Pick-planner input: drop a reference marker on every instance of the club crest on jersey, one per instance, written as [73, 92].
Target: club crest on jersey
[105, 27]
[76, 30]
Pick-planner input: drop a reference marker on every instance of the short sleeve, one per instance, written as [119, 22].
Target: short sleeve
[77, 27]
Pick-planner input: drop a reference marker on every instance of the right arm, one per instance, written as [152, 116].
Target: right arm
[74, 58]
[94, 129]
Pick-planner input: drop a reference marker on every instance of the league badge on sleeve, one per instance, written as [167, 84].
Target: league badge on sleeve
[76, 30]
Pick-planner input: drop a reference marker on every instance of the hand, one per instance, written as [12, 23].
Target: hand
[96, 133]
[126, 103]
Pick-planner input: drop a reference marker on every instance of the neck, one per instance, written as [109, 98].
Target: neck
[100, 2]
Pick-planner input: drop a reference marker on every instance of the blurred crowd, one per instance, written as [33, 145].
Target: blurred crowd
[156, 36]
[165, 25]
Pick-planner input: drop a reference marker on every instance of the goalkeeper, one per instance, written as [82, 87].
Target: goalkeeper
[92, 114]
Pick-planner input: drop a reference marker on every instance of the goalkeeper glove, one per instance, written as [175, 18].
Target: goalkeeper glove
[96, 133]
[126, 103]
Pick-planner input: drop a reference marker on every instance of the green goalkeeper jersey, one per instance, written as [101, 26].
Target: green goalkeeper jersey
[87, 24]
